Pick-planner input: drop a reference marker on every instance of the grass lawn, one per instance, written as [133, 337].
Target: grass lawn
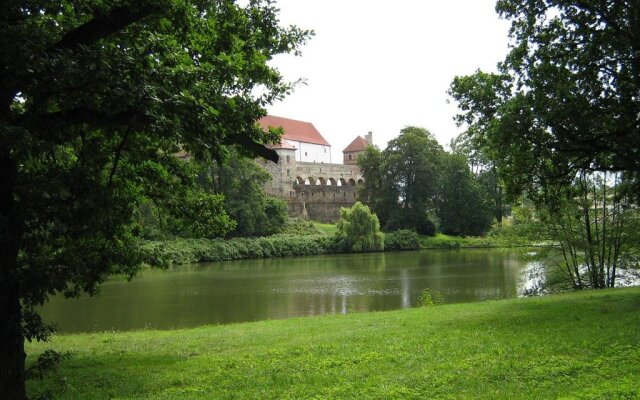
[327, 229]
[442, 241]
[574, 346]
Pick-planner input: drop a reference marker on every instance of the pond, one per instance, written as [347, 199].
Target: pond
[251, 290]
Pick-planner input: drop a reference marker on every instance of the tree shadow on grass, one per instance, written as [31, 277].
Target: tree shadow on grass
[105, 376]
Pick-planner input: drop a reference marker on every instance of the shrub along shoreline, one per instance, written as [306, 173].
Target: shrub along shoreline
[188, 251]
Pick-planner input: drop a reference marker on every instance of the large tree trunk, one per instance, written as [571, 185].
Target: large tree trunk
[12, 355]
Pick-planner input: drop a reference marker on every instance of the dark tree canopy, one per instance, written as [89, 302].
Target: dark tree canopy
[242, 183]
[400, 182]
[95, 98]
[463, 205]
[414, 184]
[561, 122]
[568, 95]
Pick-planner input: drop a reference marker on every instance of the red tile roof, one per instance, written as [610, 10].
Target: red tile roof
[358, 144]
[298, 131]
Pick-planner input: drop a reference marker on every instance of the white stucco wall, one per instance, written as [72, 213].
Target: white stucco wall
[308, 152]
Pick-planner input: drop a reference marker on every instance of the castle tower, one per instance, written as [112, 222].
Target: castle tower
[284, 172]
[359, 144]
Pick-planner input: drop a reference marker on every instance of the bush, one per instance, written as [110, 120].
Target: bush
[359, 230]
[185, 251]
[404, 239]
[431, 297]
[275, 210]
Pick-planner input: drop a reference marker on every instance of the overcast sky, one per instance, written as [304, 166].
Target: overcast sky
[379, 66]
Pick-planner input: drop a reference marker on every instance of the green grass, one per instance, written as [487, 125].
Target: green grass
[442, 241]
[574, 346]
[327, 229]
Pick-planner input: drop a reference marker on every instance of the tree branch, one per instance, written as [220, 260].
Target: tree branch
[254, 147]
[116, 159]
[107, 24]
[83, 115]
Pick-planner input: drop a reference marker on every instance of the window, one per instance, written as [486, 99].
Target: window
[350, 157]
[288, 160]
[305, 153]
[288, 171]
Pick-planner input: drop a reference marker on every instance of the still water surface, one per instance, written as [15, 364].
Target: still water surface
[251, 290]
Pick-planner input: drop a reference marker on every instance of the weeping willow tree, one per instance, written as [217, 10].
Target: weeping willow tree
[359, 230]
[592, 228]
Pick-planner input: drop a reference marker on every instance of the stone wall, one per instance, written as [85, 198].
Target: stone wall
[314, 191]
[320, 202]
[283, 173]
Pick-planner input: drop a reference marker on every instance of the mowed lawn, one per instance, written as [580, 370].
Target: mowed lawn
[576, 346]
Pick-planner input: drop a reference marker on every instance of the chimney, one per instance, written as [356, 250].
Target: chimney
[369, 137]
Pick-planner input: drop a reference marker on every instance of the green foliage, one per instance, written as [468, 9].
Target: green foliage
[372, 191]
[442, 241]
[186, 251]
[404, 239]
[241, 181]
[410, 165]
[560, 123]
[566, 97]
[484, 169]
[522, 227]
[208, 218]
[276, 213]
[295, 226]
[462, 203]
[590, 232]
[178, 205]
[400, 182]
[95, 99]
[359, 230]
[430, 297]
[414, 184]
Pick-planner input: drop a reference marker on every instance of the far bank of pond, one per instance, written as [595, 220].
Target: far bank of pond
[278, 288]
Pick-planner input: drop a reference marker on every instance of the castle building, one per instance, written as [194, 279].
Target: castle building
[309, 144]
[313, 186]
[356, 147]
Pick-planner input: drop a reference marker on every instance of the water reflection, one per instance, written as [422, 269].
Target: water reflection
[252, 290]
